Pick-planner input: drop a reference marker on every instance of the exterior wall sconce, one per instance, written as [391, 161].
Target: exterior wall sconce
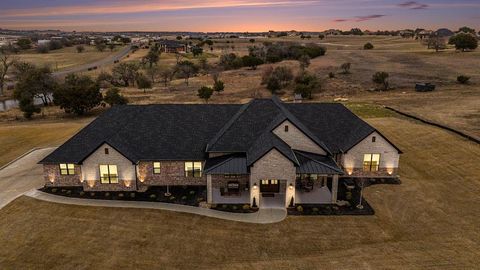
[290, 186]
[128, 183]
[51, 178]
[255, 186]
[390, 171]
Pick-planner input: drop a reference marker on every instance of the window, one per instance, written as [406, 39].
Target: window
[106, 151]
[108, 174]
[374, 139]
[193, 169]
[286, 128]
[67, 169]
[371, 162]
[156, 167]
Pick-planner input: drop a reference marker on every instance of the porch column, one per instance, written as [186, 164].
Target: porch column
[209, 189]
[334, 188]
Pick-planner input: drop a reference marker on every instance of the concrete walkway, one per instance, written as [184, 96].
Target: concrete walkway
[22, 175]
[263, 216]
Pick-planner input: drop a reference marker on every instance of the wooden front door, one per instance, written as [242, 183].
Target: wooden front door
[270, 186]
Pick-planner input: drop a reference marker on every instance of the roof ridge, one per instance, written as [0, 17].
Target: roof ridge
[299, 124]
[227, 125]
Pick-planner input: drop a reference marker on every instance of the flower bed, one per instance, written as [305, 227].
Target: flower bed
[178, 195]
[330, 209]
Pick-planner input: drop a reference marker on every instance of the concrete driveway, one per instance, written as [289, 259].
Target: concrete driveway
[22, 175]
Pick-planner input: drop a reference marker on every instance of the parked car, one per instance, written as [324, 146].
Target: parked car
[424, 87]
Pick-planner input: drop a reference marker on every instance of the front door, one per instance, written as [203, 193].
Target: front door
[269, 186]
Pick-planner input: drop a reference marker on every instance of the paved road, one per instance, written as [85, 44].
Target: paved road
[21, 176]
[25, 176]
[103, 62]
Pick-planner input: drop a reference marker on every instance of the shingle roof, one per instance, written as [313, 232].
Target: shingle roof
[183, 131]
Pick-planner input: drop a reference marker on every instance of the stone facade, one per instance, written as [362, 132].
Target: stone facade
[171, 173]
[53, 178]
[123, 185]
[352, 161]
[219, 181]
[296, 139]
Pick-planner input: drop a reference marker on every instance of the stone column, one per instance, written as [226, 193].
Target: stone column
[209, 189]
[334, 188]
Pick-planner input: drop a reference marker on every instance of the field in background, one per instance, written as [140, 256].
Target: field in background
[428, 222]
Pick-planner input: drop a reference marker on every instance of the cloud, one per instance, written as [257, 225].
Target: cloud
[359, 18]
[413, 5]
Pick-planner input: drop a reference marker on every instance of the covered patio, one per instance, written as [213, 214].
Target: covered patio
[317, 195]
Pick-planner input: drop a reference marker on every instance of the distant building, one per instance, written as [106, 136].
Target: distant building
[172, 46]
[444, 32]
[43, 42]
[424, 34]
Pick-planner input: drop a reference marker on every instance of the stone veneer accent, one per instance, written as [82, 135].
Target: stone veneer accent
[382, 172]
[219, 181]
[123, 185]
[53, 178]
[171, 173]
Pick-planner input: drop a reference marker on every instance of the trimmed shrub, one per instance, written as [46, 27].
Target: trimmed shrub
[82, 193]
[368, 46]
[184, 198]
[54, 190]
[462, 79]
[121, 195]
[92, 194]
[107, 194]
[192, 192]
[331, 75]
[246, 207]
[299, 208]
[153, 196]
[132, 195]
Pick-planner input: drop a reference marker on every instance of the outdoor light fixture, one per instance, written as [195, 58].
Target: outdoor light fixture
[127, 183]
[291, 186]
[255, 186]
[52, 178]
[390, 171]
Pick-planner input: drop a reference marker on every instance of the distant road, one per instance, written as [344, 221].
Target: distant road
[103, 62]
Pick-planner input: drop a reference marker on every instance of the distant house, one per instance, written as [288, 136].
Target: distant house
[258, 153]
[43, 42]
[424, 34]
[444, 32]
[173, 46]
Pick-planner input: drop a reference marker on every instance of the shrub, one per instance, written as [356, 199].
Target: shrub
[192, 192]
[299, 208]
[205, 93]
[184, 198]
[234, 207]
[315, 209]
[54, 190]
[43, 49]
[172, 198]
[306, 84]
[82, 193]
[113, 97]
[331, 75]
[346, 68]
[464, 41]
[348, 195]
[132, 195]
[153, 196]
[92, 194]
[246, 207]
[381, 78]
[368, 46]
[107, 194]
[121, 195]
[462, 79]
[69, 192]
[224, 206]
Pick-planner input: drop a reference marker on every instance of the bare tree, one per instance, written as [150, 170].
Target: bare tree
[6, 61]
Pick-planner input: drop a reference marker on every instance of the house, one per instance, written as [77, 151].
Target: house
[173, 46]
[262, 153]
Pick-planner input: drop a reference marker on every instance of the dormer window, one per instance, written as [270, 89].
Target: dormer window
[286, 128]
[106, 151]
[374, 139]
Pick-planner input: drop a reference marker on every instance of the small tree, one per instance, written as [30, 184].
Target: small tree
[6, 62]
[43, 49]
[462, 79]
[436, 43]
[306, 84]
[166, 75]
[143, 83]
[346, 68]
[113, 97]
[464, 42]
[78, 94]
[205, 93]
[100, 46]
[186, 69]
[153, 72]
[368, 46]
[218, 85]
[251, 61]
[321, 36]
[111, 46]
[80, 48]
[153, 56]
[126, 72]
[381, 78]
[304, 61]
[273, 84]
[24, 43]
[197, 51]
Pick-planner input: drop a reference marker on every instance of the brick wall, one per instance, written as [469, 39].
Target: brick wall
[123, 185]
[219, 181]
[382, 172]
[171, 173]
[53, 178]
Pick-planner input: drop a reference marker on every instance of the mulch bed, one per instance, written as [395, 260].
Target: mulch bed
[179, 195]
[234, 208]
[331, 210]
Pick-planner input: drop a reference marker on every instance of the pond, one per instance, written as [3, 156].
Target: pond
[8, 104]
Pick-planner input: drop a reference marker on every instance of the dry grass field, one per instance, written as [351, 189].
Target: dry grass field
[428, 222]
[66, 57]
[18, 138]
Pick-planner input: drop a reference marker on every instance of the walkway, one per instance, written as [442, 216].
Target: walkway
[263, 216]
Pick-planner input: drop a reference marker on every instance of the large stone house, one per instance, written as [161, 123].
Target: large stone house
[261, 153]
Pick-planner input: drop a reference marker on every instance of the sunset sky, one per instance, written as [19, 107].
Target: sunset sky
[236, 15]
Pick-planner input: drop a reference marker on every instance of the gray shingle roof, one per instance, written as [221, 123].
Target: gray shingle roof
[183, 131]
